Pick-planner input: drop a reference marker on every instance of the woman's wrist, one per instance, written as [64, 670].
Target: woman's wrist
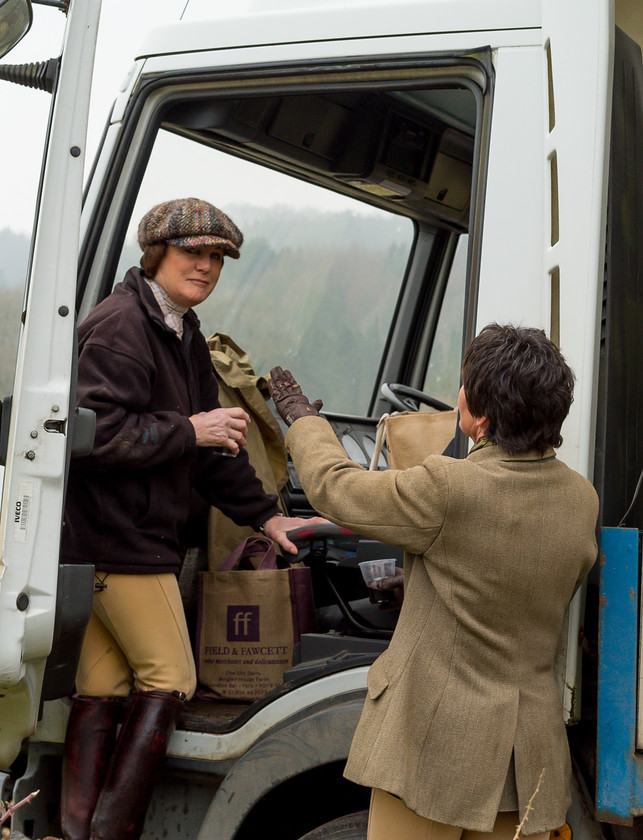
[262, 527]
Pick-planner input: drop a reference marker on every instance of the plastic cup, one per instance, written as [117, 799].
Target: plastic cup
[372, 572]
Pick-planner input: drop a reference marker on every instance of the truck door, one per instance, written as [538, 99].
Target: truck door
[37, 422]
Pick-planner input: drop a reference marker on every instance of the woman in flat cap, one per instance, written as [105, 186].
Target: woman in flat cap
[145, 369]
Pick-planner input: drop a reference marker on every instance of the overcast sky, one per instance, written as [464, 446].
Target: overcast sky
[24, 112]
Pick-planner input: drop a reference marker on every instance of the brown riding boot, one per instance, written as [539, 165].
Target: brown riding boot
[89, 743]
[140, 750]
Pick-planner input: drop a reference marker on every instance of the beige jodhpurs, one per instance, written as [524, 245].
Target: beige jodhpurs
[137, 638]
[390, 818]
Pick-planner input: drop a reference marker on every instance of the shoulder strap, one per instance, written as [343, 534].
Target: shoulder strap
[379, 441]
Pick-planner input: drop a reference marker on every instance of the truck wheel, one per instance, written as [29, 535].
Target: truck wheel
[350, 827]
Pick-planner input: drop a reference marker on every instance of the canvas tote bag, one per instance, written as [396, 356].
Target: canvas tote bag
[240, 386]
[251, 614]
[411, 436]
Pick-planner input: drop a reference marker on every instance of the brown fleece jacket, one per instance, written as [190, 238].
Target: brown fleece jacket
[127, 500]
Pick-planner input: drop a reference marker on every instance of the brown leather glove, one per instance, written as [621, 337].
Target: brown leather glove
[289, 400]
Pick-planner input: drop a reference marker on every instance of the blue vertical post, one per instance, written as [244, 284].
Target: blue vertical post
[619, 785]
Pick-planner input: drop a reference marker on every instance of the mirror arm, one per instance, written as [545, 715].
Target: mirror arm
[41, 75]
[63, 5]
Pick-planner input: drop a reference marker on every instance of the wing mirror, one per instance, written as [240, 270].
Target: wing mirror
[15, 22]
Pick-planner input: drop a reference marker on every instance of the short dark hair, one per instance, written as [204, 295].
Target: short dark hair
[151, 258]
[518, 379]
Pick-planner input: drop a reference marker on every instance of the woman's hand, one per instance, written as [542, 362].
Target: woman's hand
[277, 527]
[225, 427]
[289, 400]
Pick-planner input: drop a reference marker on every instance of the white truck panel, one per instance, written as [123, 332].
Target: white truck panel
[34, 477]
[512, 249]
[204, 746]
[316, 21]
[402, 44]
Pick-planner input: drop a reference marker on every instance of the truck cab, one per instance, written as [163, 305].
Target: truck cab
[403, 176]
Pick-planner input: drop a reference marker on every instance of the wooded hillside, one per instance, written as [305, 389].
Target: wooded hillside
[312, 291]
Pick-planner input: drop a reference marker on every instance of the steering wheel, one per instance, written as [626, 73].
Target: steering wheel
[403, 398]
[313, 541]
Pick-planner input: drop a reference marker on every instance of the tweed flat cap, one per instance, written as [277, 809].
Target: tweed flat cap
[189, 223]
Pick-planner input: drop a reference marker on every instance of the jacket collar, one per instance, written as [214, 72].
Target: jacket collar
[497, 453]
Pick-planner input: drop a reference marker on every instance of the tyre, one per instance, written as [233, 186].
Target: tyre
[349, 827]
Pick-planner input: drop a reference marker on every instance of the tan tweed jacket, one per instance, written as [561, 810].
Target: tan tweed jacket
[496, 546]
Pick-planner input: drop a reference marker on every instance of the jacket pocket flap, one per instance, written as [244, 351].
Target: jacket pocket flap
[376, 681]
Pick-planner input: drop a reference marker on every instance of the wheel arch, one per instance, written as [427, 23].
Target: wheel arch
[308, 747]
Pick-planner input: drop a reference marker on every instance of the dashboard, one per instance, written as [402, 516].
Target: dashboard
[357, 436]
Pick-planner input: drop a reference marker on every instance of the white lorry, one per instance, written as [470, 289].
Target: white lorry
[459, 163]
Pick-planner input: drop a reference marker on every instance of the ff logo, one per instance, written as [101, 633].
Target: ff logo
[243, 624]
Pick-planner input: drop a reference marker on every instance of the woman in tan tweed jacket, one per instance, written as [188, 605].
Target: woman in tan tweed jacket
[463, 713]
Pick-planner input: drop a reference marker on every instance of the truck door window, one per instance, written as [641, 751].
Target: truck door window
[319, 274]
[11, 296]
[346, 197]
[442, 378]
